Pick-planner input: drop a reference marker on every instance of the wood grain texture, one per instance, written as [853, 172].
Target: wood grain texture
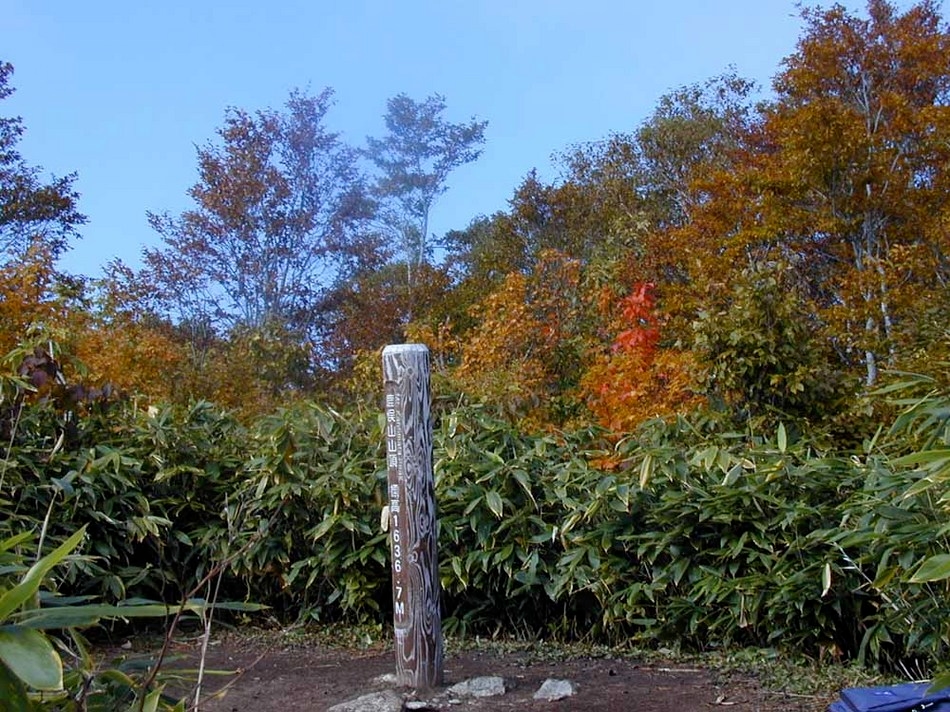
[412, 511]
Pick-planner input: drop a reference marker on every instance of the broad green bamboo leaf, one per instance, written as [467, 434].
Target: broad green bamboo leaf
[13, 693]
[30, 583]
[885, 576]
[919, 486]
[732, 475]
[522, 478]
[933, 459]
[936, 568]
[79, 616]
[903, 384]
[324, 527]
[90, 614]
[149, 704]
[782, 438]
[30, 656]
[495, 503]
[15, 540]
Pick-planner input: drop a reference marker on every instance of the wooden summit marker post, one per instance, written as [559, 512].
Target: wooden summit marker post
[412, 516]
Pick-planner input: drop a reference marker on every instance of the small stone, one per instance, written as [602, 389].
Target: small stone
[488, 686]
[385, 701]
[421, 705]
[552, 690]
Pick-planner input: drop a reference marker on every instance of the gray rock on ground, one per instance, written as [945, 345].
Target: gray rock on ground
[552, 690]
[488, 686]
[384, 701]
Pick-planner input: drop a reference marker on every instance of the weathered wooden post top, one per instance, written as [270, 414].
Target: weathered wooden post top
[412, 516]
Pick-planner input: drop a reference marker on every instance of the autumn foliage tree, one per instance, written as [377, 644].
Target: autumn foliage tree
[371, 310]
[688, 254]
[525, 353]
[38, 219]
[602, 216]
[27, 303]
[635, 379]
[122, 339]
[840, 178]
[280, 207]
[861, 128]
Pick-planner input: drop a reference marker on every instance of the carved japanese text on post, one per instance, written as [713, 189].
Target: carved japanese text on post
[411, 495]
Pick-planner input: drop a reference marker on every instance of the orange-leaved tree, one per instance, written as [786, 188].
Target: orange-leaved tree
[26, 301]
[123, 341]
[846, 177]
[861, 132]
[843, 180]
[637, 379]
[528, 348]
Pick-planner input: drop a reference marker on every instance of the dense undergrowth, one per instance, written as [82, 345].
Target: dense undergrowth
[689, 533]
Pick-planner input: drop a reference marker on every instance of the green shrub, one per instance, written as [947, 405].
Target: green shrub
[694, 532]
[313, 490]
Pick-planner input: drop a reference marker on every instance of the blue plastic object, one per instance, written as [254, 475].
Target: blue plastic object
[909, 697]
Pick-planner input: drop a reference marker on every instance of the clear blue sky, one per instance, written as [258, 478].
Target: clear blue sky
[121, 92]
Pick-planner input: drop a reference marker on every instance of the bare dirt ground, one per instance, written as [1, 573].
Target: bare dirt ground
[274, 676]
